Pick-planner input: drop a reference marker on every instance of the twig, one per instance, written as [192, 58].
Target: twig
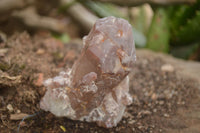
[18, 116]
[5, 124]
[81, 14]
[26, 117]
[7, 80]
[30, 17]
[6, 5]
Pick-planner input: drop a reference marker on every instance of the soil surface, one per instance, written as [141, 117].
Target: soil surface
[162, 100]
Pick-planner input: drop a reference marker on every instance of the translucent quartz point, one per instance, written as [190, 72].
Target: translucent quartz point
[96, 89]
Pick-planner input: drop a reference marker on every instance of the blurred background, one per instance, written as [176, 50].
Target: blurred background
[168, 26]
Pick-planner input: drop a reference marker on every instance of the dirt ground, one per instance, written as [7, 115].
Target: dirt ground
[162, 101]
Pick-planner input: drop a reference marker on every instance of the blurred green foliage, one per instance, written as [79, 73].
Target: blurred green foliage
[158, 34]
[185, 21]
[185, 31]
[65, 38]
[174, 29]
[102, 9]
[105, 10]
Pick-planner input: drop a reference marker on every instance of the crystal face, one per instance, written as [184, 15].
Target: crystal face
[96, 89]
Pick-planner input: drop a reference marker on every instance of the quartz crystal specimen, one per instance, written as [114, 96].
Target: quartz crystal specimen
[96, 89]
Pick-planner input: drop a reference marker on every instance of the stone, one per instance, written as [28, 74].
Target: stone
[167, 68]
[96, 89]
[10, 108]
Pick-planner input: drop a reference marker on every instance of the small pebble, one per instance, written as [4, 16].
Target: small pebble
[131, 121]
[154, 96]
[153, 126]
[40, 79]
[166, 115]
[167, 68]
[10, 108]
[140, 127]
[18, 111]
[161, 102]
[40, 51]
[146, 112]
